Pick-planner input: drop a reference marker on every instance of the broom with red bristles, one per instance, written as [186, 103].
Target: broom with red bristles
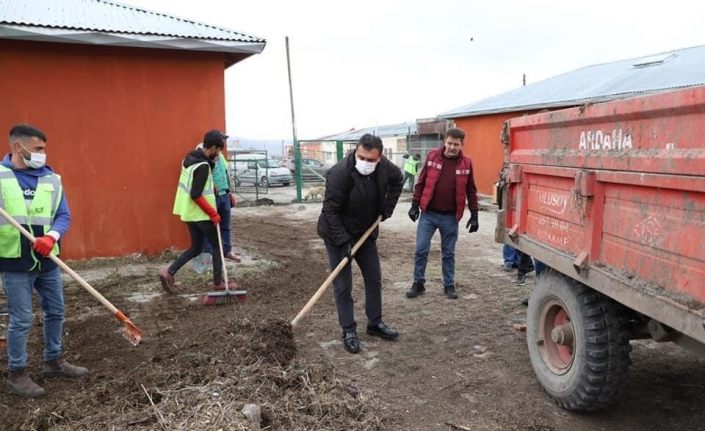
[226, 296]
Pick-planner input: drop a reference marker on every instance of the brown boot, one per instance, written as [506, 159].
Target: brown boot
[19, 382]
[167, 280]
[61, 368]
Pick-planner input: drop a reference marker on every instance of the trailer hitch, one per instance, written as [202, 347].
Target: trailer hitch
[581, 263]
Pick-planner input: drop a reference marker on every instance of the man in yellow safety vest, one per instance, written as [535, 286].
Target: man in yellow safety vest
[411, 169]
[195, 205]
[32, 194]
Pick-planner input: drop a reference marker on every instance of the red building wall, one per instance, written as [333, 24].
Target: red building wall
[118, 122]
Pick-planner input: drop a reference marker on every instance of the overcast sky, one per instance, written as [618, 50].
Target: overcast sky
[363, 63]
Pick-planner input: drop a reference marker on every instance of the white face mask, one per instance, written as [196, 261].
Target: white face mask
[36, 160]
[365, 167]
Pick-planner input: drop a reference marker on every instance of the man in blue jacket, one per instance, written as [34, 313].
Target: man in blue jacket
[32, 194]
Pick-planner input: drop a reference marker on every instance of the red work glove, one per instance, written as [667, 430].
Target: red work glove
[233, 200]
[44, 244]
[208, 209]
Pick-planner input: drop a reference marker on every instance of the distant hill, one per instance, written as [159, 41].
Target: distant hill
[273, 147]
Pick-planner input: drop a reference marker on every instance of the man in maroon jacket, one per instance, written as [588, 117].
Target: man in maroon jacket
[444, 183]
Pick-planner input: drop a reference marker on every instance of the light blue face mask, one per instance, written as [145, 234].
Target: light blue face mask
[36, 160]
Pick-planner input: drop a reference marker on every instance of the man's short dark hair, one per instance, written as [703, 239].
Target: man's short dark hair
[371, 142]
[456, 133]
[214, 138]
[26, 131]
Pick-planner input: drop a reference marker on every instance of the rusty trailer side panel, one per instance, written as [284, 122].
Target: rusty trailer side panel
[613, 195]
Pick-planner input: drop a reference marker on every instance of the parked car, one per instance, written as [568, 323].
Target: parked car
[260, 170]
[312, 168]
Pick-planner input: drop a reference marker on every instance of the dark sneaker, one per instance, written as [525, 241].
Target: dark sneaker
[521, 279]
[167, 280]
[351, 342]
[508, 267]
[450, 291]
[383, 331]
[19, 382]
[233, 257]
[525, 302]
[415, 290]
[61, 368]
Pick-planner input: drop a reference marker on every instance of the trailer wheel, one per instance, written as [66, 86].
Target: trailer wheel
[578, 342]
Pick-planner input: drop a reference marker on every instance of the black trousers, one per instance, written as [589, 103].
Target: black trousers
[368, 261]
[200, 230]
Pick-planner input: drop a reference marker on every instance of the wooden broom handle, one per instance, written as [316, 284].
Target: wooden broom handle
[344, 261]
[222, 256]
[61, 264]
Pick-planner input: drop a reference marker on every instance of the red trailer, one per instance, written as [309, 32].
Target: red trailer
[611, 197]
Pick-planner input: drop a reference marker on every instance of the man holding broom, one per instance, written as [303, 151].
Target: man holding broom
[359, 188]
[32, 194]
[195, 204]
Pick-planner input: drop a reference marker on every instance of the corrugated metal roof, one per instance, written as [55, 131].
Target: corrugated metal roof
[89, 21]
[402, 129]
[664, 71]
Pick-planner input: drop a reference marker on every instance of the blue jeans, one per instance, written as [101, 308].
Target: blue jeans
[18, 290]
[510, 255]
[448, 226]
[222, 204]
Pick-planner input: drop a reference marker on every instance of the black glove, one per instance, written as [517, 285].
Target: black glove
[414, 211]
[387, 214]
[346, 250]
[473, 224]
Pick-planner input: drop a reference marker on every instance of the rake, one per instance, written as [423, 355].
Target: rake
[129, 331]
[226, 296]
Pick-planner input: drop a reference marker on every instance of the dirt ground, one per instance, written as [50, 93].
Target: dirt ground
[458, 365]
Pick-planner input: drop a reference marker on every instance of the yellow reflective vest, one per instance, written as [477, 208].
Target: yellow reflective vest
[411, 166]
[184, 206]
[40, 211]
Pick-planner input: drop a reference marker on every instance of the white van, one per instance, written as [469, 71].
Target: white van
[257, 168]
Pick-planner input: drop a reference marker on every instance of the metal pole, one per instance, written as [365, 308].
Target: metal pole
[297, 150]
[339, 150]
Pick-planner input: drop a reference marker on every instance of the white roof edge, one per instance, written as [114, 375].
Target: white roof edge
[560, 104]
[452, 115]
[46, 34]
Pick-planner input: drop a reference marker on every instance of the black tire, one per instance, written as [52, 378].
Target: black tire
[285, 184]
[587, 378]
[264, 182]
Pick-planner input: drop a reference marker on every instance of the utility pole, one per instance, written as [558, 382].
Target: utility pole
[523, 80]
[297, 150]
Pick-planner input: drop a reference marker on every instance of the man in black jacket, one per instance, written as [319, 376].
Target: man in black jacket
[359, 188]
